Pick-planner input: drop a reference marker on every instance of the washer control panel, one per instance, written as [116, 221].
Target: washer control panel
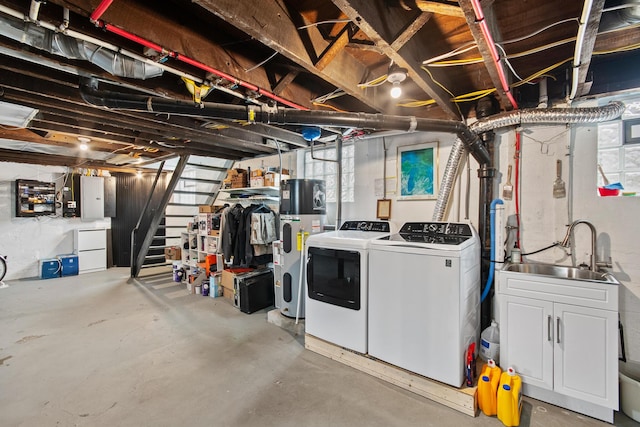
[378, 226]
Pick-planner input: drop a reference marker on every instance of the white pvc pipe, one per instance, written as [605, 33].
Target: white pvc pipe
[584, 19]
[34, 10]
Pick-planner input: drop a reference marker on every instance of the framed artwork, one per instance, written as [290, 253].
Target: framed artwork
[384, 209]
[418, 171]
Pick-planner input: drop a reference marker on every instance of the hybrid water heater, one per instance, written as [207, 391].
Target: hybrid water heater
[302, 213]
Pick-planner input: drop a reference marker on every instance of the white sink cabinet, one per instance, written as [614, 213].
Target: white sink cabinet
[561, 336]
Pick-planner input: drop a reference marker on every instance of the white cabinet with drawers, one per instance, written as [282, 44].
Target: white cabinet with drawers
[91, 247]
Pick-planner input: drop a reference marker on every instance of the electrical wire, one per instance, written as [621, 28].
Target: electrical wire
[321, 104]
[261, 64]
[329, 21]
[536, 32]
[375, 82]
[506, 61]
[445, 89]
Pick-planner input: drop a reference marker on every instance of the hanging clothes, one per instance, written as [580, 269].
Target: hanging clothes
[232, 235]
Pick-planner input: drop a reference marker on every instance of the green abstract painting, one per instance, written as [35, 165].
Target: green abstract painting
[417, 171]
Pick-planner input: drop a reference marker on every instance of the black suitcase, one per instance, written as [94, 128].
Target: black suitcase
[254, 290]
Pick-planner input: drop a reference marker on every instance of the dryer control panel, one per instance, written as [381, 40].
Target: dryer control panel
[444, 233]
[378, 226]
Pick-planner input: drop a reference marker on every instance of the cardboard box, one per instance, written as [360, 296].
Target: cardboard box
[272, 179]
[257, 181]
[173, 253]
[239, 181]
[229, 275]
[256, 173]
[205, 209]
[228, 293]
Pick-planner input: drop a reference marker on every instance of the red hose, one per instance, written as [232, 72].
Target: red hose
[102, 7]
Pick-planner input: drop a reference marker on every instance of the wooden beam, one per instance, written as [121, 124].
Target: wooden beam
[141, 20]
[591, 33]
[433, 7]
[334, 48]
[483, 47]
[268, 23]
[374, 19]
[413, 27]
[284, 82]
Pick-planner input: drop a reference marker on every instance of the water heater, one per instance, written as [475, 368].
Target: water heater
[302, 213]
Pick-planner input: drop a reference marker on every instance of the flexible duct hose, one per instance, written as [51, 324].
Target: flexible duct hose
[610, 111]
[492, 267]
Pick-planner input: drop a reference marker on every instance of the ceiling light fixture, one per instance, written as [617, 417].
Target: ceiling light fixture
[395, 76]
[84, 142]
[139, 174]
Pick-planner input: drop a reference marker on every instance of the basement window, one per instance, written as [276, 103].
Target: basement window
[318, 169]
[619, 149]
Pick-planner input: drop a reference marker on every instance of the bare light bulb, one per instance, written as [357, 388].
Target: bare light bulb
[84, 142]
[396, 90]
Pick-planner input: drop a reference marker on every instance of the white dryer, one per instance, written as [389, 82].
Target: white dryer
[424, 298]
[337, 283]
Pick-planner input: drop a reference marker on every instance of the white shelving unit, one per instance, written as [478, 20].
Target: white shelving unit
[247, 195]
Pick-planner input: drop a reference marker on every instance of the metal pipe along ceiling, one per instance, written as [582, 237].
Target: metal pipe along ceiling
[516, 118]
[288, 116]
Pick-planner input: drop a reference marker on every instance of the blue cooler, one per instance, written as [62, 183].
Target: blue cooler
[68, 265]
[49, 268]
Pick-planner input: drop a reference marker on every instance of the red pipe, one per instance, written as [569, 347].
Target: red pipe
[102, 7]
[133, 37]
[494, 52]
[187, 60]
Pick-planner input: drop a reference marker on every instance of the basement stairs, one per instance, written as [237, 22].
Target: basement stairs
[194, 181]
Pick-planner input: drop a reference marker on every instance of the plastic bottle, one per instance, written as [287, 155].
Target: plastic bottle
[488, 388]
[510, 398]
[490, 343]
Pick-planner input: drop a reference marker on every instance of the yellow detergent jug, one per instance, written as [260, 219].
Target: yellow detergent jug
[510, 398]
[488, 388]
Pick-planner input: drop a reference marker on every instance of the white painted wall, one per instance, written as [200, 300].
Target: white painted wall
[544, 218]
[27, 240]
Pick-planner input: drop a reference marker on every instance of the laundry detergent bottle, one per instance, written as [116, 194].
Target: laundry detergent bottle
[510, 398]
[488, 388]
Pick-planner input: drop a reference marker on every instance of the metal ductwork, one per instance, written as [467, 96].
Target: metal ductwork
[287, 116]
[624, 16]
[516, 118]
[62, 45]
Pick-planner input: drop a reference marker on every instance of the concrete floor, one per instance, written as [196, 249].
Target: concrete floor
[102, 350]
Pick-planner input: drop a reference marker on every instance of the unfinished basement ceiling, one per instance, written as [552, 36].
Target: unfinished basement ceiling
[310, 54]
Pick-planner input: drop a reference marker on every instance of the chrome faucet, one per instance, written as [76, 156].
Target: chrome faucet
[565, 243]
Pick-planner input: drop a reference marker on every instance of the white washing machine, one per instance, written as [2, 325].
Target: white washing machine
[424, 298]
[337, 283]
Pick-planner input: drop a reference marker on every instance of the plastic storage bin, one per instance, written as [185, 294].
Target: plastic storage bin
[68, 265]
[49, 268]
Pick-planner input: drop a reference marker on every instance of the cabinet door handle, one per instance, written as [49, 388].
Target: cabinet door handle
[558, 330]
[549, 322]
